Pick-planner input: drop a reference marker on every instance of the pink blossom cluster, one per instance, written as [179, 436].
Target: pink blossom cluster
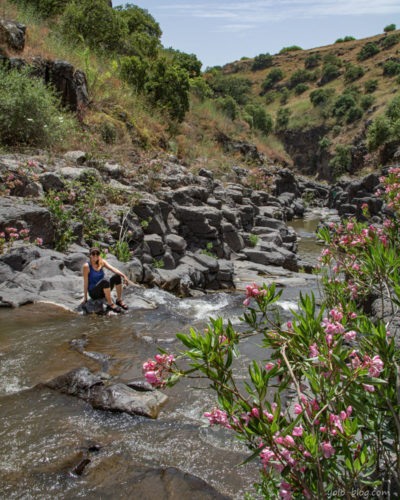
[253, 291]
[156, 371]
[217, 416]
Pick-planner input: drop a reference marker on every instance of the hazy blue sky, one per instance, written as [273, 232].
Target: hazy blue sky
[220, 32]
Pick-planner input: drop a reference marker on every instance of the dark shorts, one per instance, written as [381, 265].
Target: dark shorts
[97, 292]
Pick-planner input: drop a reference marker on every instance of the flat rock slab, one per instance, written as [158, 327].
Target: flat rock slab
[103, 395]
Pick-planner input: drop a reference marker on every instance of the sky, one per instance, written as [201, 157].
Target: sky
[219, 32]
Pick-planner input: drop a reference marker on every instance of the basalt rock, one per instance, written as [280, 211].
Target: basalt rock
[12, 34]
[118, 397]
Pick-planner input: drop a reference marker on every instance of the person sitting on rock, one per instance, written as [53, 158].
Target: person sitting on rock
[98, 286]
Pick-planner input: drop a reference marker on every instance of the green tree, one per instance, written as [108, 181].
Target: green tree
[275, 75]
[168, 87]
[282, 119]
[94, 21]
[320, 97]
[261, 61]
[389, 27]
[235, 86]
[370, 86]
[312, 61]
[228, 106]
[341, 162]
[189, 62]
[200, 88]
[353, 73]
[134, 70]
[367, 51]
[260, 118]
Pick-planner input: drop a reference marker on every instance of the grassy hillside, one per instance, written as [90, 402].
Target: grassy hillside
[305, 109]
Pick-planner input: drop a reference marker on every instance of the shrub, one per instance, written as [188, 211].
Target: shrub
[292, 48]
[378, 132]
[324, 143]
[275, 75]
[319, 97]
[393, 109]
[333, 59]
[45, 8]
[284, 95]
[389, 27]
[354, 113]
[368, 50]
[367, 101]
[390, 40]
[282, 119]
[312, 61]
[228, 106]
[270, 97]
[300, 76]
[260, 118]
[94, 22]
[347, 38]
[135, 71]
[329, 73]
[336, 130]
[370, 86]
[168, 87]
[353, 73]
[342, 104]
[30, 112]
[200, 88]
[301, 88]
[188, 62]
[341, 162]
[235, 86]
[391, 68]
[262, 61]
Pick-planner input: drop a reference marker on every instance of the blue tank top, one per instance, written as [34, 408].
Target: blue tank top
[94, 276]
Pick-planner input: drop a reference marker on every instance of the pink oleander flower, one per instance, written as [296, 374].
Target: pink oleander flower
[297, 409]
[323, 429]
[217, 416]
[39, 241]
[327, 449]
[369, 388]
[255, 413]
[288, 441]
[152, 378]
[269, 366]
[269, 416]
[289, 325]
[314, 351]
[2, 235]
[284, 491]
[350, 335]
[298, 431]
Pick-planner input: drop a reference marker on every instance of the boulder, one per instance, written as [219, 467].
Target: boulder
[12, 34]
[76, 157]
[52, 181]
[83, 384]
[28, 215]
[176, 243]
[155, 244]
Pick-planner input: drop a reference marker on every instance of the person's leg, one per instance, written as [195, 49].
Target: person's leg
[102, 290]
[117, 282]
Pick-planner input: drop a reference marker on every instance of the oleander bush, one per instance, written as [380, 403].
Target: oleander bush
[338, 434]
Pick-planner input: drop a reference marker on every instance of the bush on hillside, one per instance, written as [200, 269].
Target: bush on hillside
[393, 109]
[261, 120]
[30, 112]
[342, 104]
[320, 97]
[391, 68]
[189, 62]
[370, 85]
[291, 48]
[228, 106]
[235, 86]
[275, 75]
[300, 88]
[45, 8]
[312, 61]
[385, 128]
[200, 88]
[367, 101]
[333, 59]
[368, 50]
[329, 73]
[262, 61]
[389, 27]
[390, 40]
[282, 119]
[94, 22]
[168, 87]
[284, 95]
[347, 38]
[353, 114]
[135, 71]
[353, 73]
[341, 162]
[301, 76]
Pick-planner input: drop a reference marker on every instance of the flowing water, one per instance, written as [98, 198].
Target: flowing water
[44, 434]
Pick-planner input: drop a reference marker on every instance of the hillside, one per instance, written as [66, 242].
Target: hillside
[307, 109]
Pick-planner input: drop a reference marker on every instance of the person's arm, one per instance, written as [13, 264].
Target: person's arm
[116, 271]
[85, 272]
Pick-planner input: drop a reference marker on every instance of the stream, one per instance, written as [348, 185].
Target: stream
[44, 434]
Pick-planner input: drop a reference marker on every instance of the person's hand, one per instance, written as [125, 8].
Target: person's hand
[83, 302]
[126, 281]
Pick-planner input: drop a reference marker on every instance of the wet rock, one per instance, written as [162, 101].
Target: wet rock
[83, 384]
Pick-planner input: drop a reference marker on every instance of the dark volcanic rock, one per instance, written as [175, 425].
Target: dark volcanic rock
[12, 34]
[114, 397]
